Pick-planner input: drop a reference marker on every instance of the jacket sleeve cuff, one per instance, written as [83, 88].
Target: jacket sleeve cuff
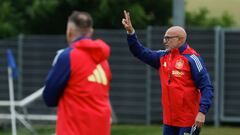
[133, 32]
[203, 109]
[131, 38]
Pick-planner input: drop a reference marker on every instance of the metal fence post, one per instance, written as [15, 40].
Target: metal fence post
[20, 64]
[222, 70]
[217, 72]
[148, 79]
[20, 69]
[178, 12]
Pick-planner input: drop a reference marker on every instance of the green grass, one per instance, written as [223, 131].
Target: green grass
[41, 130]
[216, 7]
[135, 130]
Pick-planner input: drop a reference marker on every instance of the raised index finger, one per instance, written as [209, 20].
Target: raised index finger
[125, 14]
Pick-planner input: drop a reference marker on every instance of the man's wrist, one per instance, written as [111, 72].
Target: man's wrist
[203, 109]
[202, 113]
[131, 32]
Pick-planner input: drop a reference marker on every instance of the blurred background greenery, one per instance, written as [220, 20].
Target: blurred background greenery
[49, 16]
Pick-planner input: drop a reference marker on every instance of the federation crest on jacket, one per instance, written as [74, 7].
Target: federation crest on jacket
[179, 63]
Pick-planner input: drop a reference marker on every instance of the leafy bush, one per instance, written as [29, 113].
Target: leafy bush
[201, 18]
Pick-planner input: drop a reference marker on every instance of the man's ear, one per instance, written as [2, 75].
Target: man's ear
[92, 30]
[90, 33]
[70, 29]
[181, 40]
[69, 34]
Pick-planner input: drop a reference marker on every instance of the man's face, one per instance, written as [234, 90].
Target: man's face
[171, 40]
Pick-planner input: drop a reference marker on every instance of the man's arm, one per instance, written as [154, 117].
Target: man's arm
[203, 82]
[57, 79]
[146, 55]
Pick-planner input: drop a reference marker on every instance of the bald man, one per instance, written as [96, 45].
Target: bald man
[187, 91]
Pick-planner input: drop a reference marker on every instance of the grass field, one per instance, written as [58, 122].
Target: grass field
[135, 130]
[216, 7]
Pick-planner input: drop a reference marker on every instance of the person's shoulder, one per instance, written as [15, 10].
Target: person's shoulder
[165, 51]
[162, 52]
[192, 55]
[65, 52]
[190, 51]
[62, 55]
[100, 41]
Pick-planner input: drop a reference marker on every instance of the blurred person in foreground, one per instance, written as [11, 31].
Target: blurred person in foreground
[187, 91]
[78, 83]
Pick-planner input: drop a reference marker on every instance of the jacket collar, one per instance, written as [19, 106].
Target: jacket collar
[78, 39]
[179, 50]
[183, 47]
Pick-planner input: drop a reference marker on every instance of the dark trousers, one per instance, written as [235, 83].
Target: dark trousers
[172, 130]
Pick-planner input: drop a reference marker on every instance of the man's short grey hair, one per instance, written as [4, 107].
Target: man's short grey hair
[82, 20]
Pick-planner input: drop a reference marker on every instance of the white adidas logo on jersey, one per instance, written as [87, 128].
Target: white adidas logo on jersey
[98, 76]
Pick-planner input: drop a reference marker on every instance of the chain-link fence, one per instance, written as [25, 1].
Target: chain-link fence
[135, 88]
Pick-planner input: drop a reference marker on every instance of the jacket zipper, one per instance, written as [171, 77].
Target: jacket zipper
[169, 81]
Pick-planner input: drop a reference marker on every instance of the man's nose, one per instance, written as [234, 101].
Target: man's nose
[164, 41]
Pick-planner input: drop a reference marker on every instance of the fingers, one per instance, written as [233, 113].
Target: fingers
[127, 22]
[200, 119]
[127, 16]
[199, 124]
[124, 22]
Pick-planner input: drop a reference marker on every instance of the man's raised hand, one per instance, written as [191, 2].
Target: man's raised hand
[127, 22]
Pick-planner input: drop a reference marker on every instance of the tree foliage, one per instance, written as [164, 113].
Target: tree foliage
[201, 18]
[9, 24]
[50, 16]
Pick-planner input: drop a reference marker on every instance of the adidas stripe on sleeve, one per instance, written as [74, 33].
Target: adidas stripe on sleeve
[197, 62]
[202, 81]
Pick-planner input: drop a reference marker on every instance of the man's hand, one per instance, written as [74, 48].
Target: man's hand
[127, 22]
[200, 119]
